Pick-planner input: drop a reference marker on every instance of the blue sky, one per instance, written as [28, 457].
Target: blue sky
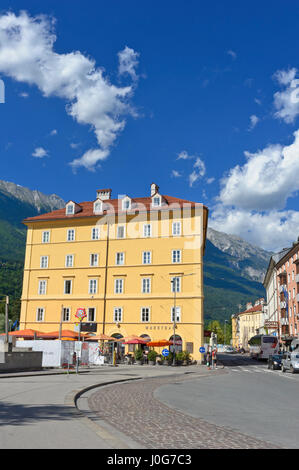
[203, 82]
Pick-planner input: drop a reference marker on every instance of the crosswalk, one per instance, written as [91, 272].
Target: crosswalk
[261, 370]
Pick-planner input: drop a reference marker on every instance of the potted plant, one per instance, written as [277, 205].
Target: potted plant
[138, 354]
[180, 358]
[152, 356]
[169, 359]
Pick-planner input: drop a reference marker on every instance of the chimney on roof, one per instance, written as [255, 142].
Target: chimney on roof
[104, 194]
[154, 189]
[248, 305]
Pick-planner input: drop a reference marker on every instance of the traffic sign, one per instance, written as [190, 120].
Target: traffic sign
[81, 313]
[165, 352]
[202, 350]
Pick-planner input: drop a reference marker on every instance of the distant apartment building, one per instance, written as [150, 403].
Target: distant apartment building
[134, 264]
[248, 323]
[287, 278]
[271, 310]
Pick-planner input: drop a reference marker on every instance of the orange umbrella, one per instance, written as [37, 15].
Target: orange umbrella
[28, 333]
[69, 334]
[101, 337]
[160, 343]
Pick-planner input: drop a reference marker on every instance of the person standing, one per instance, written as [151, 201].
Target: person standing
[214, 358]
[208, 358]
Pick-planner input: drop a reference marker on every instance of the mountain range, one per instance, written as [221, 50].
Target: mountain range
[233, 268]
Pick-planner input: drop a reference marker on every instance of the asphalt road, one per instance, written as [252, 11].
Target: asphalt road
[249, 399]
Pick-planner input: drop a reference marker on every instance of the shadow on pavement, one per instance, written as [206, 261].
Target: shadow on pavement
[16, 415]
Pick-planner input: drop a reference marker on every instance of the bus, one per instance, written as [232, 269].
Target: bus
[263, 346]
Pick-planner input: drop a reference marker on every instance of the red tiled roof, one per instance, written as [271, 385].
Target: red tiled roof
[142, 203]
[256, 308]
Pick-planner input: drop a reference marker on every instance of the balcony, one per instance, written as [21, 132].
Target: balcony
[284, 321]
[284, 330]
[283, 287]
[283, 305]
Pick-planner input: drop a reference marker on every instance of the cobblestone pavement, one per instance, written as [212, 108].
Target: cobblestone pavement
[132, 409]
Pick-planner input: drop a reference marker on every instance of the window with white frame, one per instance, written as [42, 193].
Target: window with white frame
[40, 314]
[126, 204]
[46, 237]
[120, 258]
[176, 284]
[176, 228]
[68, 286]
[42, 287]
[146, 285]
[176, 256]
[70, 235]
[70, 209]
[98, 207]
[176, 314]
[118, 286]
[91, 314]
[147, 230]
[156, 201]
[94, 259]
[121, 231]
[69, 261]
[93, 286]
[146, 257]
[145, 314]
[95, 233]
[117, 314]
[44, 261]
[66, 316]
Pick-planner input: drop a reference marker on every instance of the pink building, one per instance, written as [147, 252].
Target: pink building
[287, 290]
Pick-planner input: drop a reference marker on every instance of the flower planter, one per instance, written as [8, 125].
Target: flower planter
[151, 363]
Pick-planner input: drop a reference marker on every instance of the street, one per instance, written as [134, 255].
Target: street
[249, 398]
[242, 405]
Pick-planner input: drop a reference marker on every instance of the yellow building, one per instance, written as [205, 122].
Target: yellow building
[249, 323]
[131, 263]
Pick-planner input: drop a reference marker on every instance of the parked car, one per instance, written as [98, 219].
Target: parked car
[274, 362]
[228, 350]
[290, 361]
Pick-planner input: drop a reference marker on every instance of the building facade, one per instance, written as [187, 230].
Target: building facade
[248, 323]
[134, 264]
[287, 278]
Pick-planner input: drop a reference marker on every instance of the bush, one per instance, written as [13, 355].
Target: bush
[152, 355]
[138, 354]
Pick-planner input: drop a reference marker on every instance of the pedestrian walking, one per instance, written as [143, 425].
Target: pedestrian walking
[208, 358]
[214, 358]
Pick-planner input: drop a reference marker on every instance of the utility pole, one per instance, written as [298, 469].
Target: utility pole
[174, 285]
[6, 318]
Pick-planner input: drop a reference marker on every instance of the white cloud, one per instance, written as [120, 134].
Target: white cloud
[287, 101]
[257, 101]
[40, 152]
[27, 55]
[210, 180]
[253, 121]
[272, 231]
[128, 62]
[54, 132]
[176, 174]
[24, 94]
[90, 159]
[184, 156]
[265, 181]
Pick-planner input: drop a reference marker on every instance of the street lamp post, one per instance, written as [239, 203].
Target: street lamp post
[174, 286]
[225, 322]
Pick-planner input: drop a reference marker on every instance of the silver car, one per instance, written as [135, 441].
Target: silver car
[290, 361]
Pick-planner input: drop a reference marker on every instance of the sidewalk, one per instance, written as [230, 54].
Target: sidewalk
[33, 404]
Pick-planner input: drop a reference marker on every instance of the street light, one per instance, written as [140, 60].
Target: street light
[174, 286]
[6, 316]
[225, 322]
